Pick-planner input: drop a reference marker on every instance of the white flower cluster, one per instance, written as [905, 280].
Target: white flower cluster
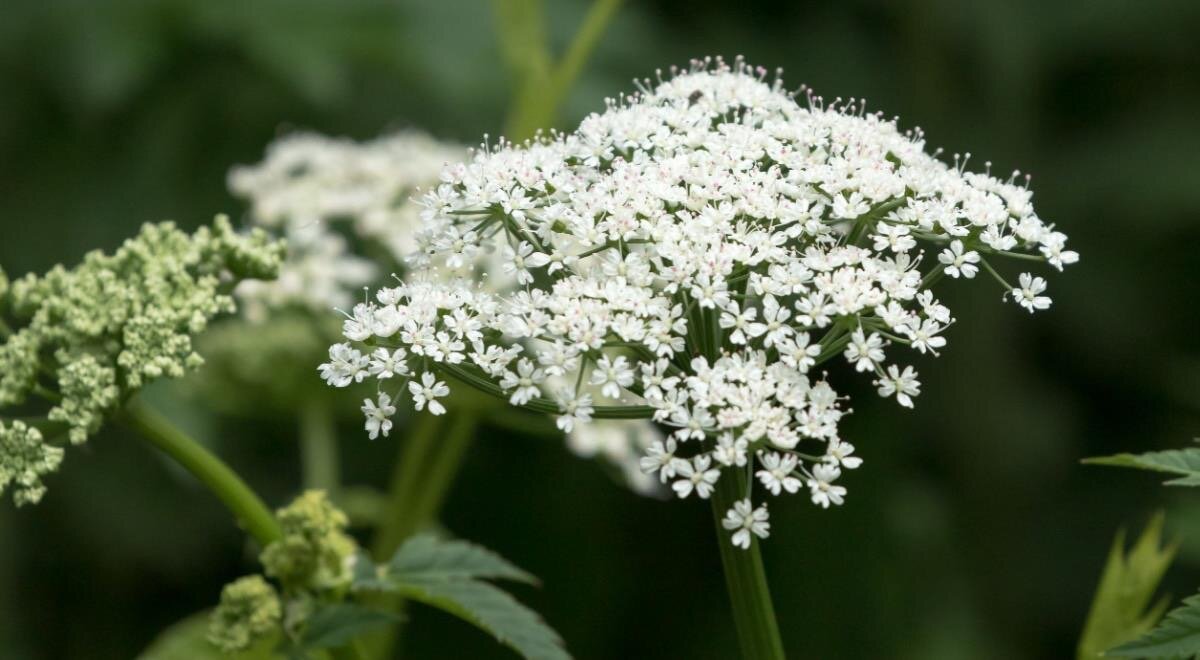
[690, 255]
[328, 195]
[334, 197]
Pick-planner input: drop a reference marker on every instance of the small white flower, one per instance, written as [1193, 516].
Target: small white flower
[730, 452]
[386, 364]
[838, 452]
[1028, 294]
[575, 407]
[902, 384]
[379, 416]
[346, 365]
[696, 475]
[428, 392]
[613, 375]
[660, 457]
[519, 262]
[959, 263]
[523, 383]
[777, 472]
[821, 487]
[925, 336]
[739, 321]
[864, 352]
[744, 520]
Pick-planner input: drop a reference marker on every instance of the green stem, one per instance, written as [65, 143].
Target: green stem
[423, 475]
[594, 24]
[431, 491]
[249, 510]
[753, 613]
[409, 465]
[318, 447]
[543, 87]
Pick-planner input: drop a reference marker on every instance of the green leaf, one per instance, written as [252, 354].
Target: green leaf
[491, 609]
[335, 625]
[428, 558]
[1178, 636]
[187, 639]
[447, 575]
[1183, 462]
[1119, 610]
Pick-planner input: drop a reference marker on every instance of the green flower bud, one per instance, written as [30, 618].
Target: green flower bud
[249, 610]
[24, 459]
[315, 551]
[116, 322]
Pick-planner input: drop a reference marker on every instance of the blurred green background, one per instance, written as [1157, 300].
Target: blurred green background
[971, 532]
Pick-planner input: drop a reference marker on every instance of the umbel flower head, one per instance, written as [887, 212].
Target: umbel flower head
[83, 340]
[690, 255]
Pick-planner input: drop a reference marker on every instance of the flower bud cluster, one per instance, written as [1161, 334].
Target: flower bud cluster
[313, 562]
[83, 340]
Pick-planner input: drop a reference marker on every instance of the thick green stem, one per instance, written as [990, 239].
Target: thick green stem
[249, 510]
[318, 447]
[753, 613]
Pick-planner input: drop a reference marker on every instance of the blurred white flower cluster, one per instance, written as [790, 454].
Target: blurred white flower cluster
[335, 199]
[332, 197]
[690, 255]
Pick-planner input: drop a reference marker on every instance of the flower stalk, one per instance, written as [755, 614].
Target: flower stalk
[252, 514]
[320, 463]
[745, 578]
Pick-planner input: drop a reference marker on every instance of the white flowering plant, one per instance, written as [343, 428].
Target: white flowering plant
[691, 255]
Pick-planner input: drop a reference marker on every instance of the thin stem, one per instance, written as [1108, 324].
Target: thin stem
[544, 86]
[409, 465]
[437, 478]
[753, 613]
[594, 24]
[993, 273]
[320, 464]
[245, 505]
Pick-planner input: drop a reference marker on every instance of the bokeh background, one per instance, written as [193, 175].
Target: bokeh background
[971, 532]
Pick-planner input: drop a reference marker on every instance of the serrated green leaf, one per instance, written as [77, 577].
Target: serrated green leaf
[429, 558]
[446, 575]
[1183, 462]
[1178, 636]
[491, 609]
[335, 625]
[1120, 610]
[187, 639]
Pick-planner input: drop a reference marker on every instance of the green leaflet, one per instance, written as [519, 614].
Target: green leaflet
[1119, 610]
[334, 625]
[1178, 636]
[491, 609]
[448, 575]
[428, 558]
[1182, 462]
